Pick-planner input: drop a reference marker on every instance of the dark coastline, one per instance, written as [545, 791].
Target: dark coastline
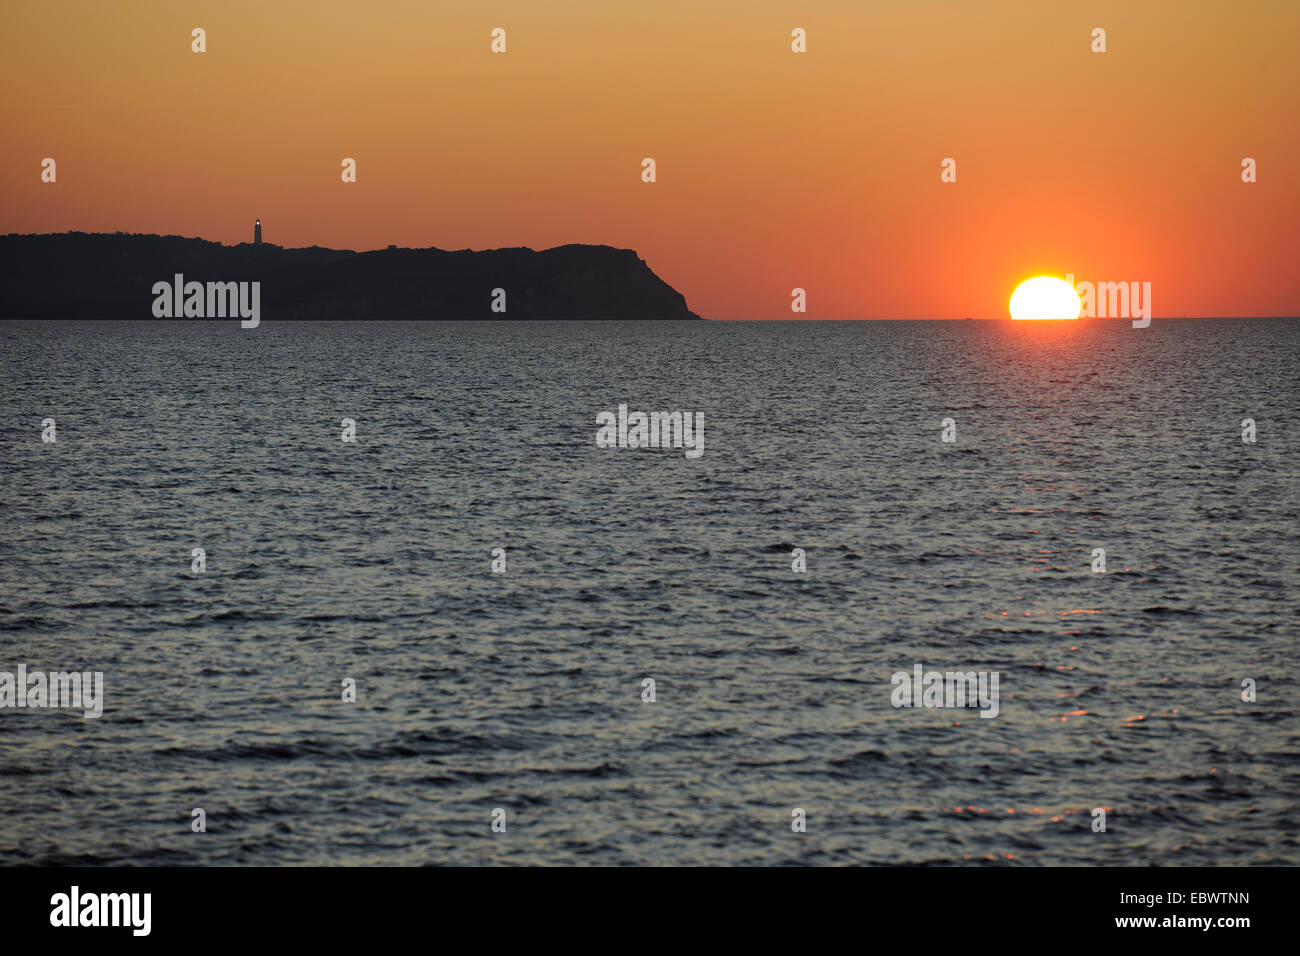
[100, 275]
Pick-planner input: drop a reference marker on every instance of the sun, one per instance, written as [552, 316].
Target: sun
[1045, 297]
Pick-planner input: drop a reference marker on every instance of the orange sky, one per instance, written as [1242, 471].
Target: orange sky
[775, 169]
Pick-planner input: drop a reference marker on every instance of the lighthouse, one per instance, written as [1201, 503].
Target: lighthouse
[257, 233]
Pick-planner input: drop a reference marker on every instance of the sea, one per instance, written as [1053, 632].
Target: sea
[475, 636]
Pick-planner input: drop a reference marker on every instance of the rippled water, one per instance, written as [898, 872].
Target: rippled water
[522, 690]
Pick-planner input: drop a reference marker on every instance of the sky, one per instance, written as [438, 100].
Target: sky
[775, 170]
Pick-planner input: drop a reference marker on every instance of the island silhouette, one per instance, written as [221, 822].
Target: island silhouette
[110, 275]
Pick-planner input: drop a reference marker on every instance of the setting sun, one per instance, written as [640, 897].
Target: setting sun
[1045, 297]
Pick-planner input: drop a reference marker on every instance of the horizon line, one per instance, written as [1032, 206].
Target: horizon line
[393, 247]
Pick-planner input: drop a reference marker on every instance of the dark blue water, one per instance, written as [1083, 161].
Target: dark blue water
[522, 690]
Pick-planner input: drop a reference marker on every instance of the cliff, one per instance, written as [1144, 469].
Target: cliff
[93, 275]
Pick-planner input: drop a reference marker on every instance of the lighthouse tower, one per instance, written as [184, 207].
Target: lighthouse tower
[257, 233]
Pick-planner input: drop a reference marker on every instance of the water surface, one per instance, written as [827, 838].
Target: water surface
[522, 690]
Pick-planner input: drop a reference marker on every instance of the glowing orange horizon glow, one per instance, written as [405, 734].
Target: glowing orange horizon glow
[776, 170]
